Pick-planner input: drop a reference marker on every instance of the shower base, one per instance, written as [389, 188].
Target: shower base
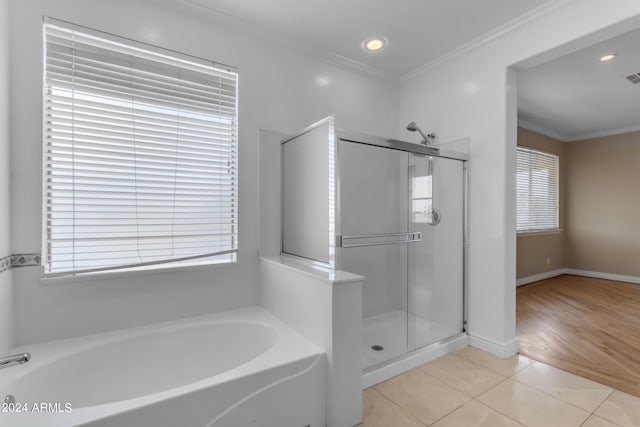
[389, 331]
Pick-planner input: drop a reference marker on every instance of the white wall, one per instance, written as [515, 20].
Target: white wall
[6, 288]
[279, 89]
[473, 95]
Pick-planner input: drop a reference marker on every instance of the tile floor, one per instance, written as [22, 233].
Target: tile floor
[471, 388]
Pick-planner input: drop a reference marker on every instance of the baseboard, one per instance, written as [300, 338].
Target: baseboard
[500, 349]
[413, 360]
[541, 276]
[598, 275]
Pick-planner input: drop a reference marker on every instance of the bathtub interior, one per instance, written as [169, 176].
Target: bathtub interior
[213, 370]
[143, 364]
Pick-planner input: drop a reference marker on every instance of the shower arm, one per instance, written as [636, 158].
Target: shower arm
[426, 139]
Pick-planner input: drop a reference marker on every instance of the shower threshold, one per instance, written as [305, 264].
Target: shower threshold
[385, 336]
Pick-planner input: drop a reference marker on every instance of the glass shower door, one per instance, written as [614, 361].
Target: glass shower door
[435, 264]
[373, 222]
[401, 227]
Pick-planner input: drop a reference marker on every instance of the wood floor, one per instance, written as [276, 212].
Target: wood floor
[587, 326]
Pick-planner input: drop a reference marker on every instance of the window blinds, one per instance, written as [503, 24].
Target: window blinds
[140, 154]
[537, 190]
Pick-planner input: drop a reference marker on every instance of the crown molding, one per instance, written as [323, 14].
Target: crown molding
[352, 64]
[573, 138]
[543, 130]
[486, 38]
[262, 33]
[602, 134]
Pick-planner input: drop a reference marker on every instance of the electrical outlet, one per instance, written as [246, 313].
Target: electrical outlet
[548, 260]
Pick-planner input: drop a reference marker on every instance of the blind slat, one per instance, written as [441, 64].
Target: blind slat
[140, 152]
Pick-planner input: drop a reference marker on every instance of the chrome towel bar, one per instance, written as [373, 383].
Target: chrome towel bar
[377, 239]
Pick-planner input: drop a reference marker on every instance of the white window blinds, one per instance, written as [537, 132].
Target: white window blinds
[537, 190]
[140, 154]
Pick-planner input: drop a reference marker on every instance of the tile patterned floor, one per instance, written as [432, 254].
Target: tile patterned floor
[471, 388]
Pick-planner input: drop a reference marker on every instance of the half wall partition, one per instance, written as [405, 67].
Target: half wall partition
[391, 211]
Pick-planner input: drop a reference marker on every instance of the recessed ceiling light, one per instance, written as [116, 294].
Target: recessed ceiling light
[608, 57]
[374, 44]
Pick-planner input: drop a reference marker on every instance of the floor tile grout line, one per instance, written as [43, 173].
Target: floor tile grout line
[602, 403]
[469, 399]
[503, 378]
[598, 416]
[604, 400]
[403, 410]
[494, 370]
[451, 412]
[590, 413]
[491, 407]
[472, 396]
[534, 389]
[551, 396]
[557, 398]
[533, 362]
[494, 409]
[572, 373]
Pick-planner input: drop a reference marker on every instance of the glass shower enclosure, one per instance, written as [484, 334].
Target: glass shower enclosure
[391, 211]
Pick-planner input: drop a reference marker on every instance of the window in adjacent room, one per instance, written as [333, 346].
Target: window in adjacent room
[537, 190]
[140, 147]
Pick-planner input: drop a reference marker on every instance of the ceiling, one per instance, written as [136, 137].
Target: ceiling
[569, 98]
[418, 31]
[578, 97]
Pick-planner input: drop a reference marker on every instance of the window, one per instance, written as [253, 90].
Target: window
[537, 190]
[140, 149]
[422, 199]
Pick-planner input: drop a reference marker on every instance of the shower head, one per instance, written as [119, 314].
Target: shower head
[426, 139]
[412, 127]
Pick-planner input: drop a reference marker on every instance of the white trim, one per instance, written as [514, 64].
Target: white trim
[566, 138]
[604, 133]
[413, 360]
[599, 275]
[486, 38]
[261, 32]
[344, 62]
[533, 127]
[336, 59]
[540, 276]
[577, 272]
[500, 349]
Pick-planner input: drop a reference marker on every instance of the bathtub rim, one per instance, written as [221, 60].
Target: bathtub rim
[290, 347]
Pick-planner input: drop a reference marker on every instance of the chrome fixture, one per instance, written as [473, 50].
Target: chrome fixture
[15, 359]
[426, 139]
[436, 216]
[377, 239]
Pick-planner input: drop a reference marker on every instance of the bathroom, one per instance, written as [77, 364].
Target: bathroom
[283, 88]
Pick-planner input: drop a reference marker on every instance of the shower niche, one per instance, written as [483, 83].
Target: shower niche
[391, 211]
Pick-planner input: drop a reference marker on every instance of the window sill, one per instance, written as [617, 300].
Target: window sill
[135, 272]
[539, 232]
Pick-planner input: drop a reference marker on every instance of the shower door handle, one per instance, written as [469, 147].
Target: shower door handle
[377, 239]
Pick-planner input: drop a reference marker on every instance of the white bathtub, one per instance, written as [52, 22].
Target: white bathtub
[238, 368]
